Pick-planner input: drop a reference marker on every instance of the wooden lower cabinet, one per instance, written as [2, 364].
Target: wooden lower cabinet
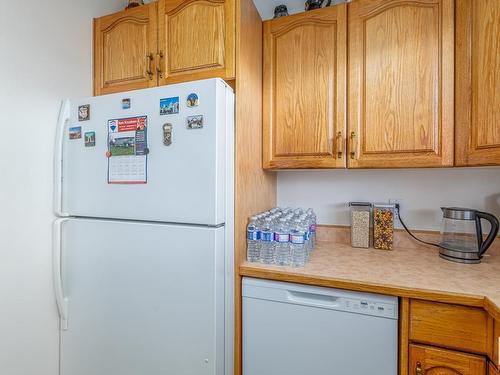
[426, 360]
[493, 370]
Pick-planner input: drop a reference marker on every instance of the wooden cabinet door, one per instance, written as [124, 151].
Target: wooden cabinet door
[425, 360]
[125, 46]
[196, 39]
[493, 370]
[304, 90]
[401, 83]
[478, 82]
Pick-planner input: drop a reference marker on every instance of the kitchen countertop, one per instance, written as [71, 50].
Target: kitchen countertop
[413, 272]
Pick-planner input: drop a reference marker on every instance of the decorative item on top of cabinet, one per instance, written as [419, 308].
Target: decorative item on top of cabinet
[280, 11]
[317, 4]
[426, 360]
[304, 90]
[134, 3]
[124, 50]
[197, 39]
[401, 80]
[478, 82]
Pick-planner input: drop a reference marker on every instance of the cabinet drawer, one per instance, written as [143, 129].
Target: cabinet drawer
[451, 326]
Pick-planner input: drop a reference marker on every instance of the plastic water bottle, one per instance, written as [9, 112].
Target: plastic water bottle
[253, 240]
[307, 235]
[266, 242]
[312, 227]
[282, 242]
[297, 245]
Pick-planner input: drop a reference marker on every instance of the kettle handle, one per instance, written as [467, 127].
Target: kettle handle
[493, 231]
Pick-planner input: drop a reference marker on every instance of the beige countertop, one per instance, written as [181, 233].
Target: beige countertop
[413, 271]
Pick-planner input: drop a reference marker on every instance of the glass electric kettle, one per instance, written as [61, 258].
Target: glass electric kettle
[462, 234]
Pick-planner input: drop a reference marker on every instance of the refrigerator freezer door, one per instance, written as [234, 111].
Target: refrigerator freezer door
[142, 298]
[186, 167]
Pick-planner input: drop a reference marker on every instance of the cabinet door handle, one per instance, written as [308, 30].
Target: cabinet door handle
[340, 145]
[353, 145]
[159, 60]
[149, 68]
[418, 369]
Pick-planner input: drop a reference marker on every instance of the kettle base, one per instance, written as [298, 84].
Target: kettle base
[463, 260]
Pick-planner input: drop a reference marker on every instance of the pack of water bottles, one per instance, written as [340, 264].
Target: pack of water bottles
[282, 236]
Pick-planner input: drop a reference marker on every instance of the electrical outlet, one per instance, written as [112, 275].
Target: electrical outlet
[398, 202]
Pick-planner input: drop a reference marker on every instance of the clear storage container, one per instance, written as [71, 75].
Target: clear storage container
[383, 226]
[360, 224]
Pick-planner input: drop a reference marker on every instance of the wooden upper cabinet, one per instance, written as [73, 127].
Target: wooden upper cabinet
[196, 39]
[426, 360]
[401, 83]
[304, 90]
[478, 82]
[124, 50]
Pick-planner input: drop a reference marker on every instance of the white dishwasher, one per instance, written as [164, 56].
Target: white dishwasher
[292, 329]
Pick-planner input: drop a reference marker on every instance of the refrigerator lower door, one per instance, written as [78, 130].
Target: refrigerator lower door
[142, 298]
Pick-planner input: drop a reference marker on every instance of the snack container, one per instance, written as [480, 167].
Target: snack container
[383, 226]
[360, 224]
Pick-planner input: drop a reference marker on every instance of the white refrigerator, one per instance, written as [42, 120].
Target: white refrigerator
[143, 242]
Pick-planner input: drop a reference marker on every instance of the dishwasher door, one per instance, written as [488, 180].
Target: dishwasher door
[292, 329]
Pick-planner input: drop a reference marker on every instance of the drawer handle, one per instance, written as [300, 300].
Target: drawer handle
[159, 62]
[149, 68]
[418, 369]
[312, 299]
[340, 145]
[353, 145]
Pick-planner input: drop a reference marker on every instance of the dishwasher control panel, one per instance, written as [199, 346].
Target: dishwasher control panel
[366, 306]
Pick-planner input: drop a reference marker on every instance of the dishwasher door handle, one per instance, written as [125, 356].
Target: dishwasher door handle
[312, 299]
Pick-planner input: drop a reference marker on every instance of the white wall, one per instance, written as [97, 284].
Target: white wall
[45, 55]
[421, 192]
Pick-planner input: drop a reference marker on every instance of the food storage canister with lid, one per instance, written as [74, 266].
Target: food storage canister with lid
[360, 224]
[383, 226]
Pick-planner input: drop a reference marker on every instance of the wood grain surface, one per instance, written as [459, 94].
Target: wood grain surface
[197, 39]
[451, 326]
[122, 43]
[305, 89]
[401, 80]
[478, 82]
[255, 189]
[434, 361]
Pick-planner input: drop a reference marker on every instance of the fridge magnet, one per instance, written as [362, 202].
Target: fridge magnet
[84, 112]
[192, 100]
[126, 103]
[167, 134]
[89, 138]
[195, 122]
[127, 150]
[169, 106]
[75, 133]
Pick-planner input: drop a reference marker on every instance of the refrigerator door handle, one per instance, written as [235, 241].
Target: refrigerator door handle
[64, 116]
[61, 301]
